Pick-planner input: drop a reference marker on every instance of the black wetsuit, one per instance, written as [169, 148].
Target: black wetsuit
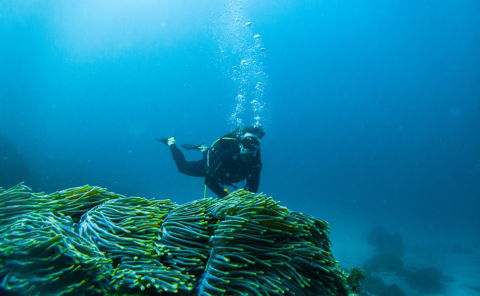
[222, 164]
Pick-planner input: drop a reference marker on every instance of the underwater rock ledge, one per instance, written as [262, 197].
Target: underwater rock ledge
[87, 241]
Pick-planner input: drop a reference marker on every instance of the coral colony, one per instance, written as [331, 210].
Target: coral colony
[87, 241]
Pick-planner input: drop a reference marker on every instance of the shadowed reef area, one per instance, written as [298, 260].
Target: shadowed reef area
[87, 241]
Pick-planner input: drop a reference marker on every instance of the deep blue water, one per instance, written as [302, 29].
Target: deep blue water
[372, 110]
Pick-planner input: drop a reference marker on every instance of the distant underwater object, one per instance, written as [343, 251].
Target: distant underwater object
[87, 241]
[427, 281]
[385, 242]
[385, 263]
[387, 266]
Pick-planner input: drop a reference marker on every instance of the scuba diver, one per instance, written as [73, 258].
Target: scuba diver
[233, 158]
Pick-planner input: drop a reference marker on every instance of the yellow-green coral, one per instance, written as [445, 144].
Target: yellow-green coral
[260, 248]
[87, 241]
[42, 254]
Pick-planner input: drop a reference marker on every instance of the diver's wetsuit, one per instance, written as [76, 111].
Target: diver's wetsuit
[190, 168]
[222, 164]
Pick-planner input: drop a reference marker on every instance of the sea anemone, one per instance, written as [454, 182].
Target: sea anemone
[87, 241]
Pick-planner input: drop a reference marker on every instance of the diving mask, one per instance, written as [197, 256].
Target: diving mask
[249, 144]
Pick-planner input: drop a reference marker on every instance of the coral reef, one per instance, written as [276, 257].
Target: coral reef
[387, 265]
[428, 281]
[354, 279]
[376, 286]
[87, 241]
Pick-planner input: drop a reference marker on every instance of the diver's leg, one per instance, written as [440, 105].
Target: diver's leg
[190, 168]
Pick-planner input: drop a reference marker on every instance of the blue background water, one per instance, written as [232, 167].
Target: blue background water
[372, 109]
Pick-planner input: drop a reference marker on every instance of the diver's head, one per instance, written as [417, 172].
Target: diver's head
[251, 129]
[249, 145]
[254, 129]
[249, 140]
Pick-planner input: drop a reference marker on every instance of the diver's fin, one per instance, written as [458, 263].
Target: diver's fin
[167, 141]
[163, 140]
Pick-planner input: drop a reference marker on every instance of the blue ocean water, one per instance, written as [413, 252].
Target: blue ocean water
[371, 110]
